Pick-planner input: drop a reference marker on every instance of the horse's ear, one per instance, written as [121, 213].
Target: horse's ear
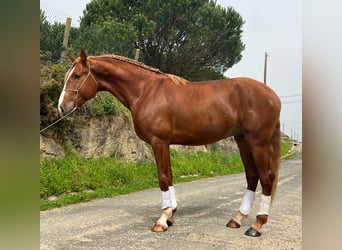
[72, 58]
[83, 56]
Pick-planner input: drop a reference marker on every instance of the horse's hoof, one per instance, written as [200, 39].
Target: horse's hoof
[159, 228]
[233, 224]
[171, 220]
[252, 232]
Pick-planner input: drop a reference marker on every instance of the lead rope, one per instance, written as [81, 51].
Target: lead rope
[77, 91]
[58, 120]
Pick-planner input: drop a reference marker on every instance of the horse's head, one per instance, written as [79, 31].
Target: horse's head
[79, 85]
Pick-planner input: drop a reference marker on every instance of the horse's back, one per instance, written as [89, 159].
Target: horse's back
[246, 93]
[205, 112]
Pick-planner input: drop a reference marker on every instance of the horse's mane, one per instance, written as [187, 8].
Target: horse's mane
[174, 78]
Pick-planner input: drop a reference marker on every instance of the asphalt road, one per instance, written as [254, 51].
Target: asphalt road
[204, 207]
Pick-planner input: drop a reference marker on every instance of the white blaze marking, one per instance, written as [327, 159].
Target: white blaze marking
[63, 91]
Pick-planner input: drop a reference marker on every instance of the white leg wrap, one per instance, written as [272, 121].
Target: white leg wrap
[173, 197]
[169, 198]
[265, 204]
[247, 201]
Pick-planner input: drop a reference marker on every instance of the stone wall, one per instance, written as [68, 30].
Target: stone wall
[106, 136]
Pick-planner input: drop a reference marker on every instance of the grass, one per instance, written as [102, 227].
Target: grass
[74, 179]
[286, 155]
[285, 147]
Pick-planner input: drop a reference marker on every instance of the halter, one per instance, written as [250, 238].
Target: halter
[76, 91]
[79, 88]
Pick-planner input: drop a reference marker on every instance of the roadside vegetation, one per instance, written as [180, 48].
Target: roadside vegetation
[286, 152]
[285, 147]
[74, 179]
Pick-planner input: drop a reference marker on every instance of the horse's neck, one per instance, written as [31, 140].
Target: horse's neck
[126, 82]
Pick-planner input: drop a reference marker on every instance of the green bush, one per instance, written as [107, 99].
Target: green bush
[106, 104]
[51, 84]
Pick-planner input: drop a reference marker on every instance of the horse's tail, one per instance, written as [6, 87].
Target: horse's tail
[274, 157]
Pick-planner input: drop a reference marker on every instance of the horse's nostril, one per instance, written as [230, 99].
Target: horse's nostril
[61, 110]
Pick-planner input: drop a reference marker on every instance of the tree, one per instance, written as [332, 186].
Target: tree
[51, 38]
[103, 29]
[108, 36]
[196, 39]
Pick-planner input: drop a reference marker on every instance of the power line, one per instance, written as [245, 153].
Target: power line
[282, 58]
[289, 102]
[288, 96]
[295, 123]
[271, 55]
[255, 47]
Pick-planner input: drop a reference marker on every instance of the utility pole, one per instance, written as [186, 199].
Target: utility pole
[265, 67]
[66, 38]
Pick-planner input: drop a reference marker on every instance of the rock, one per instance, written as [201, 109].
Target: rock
[50, 148]
[105, 136]
[225, 146]
[52, 198]
[189, 149]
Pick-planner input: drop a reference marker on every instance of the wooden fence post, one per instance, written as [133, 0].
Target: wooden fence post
[137, 53]
[66, 38]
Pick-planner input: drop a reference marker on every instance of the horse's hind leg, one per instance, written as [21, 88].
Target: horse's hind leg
[252, 178]
[266, 154]
[266, 179]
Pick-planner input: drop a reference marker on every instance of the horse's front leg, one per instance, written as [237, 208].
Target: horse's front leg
[169, 202]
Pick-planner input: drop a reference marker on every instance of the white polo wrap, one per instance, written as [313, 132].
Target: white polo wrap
[264, 205]
[247, 201]
[169, 198]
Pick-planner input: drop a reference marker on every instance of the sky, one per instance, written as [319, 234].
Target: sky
[272, 26]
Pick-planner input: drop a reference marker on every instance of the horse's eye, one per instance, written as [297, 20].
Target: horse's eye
[76, 77]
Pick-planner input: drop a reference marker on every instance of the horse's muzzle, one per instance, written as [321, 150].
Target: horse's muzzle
[61, 111]
[65, 109]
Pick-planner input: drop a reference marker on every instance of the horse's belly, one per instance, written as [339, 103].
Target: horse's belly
[197, 140]
[205, 135]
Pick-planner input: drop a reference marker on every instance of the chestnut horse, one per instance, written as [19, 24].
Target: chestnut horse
[167, 109]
